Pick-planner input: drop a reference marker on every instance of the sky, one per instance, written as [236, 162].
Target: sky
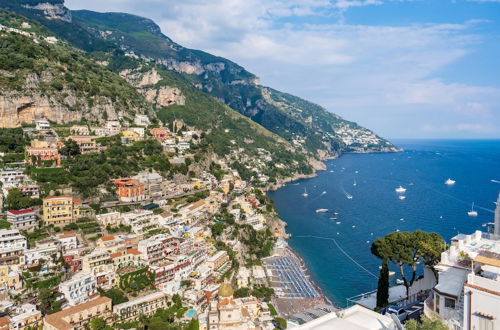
[404, 68]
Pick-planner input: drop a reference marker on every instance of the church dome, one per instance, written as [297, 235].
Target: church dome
[226, 290]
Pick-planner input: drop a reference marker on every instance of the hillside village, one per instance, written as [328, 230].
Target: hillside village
[138, 243]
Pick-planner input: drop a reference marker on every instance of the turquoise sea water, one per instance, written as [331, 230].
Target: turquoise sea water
[338, 255]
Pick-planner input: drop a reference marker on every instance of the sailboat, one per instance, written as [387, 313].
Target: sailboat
[305, 194]
[472, 213]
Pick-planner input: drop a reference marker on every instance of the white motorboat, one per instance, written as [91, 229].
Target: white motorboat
[305, 194]
[400, 190]
[321, 210]
[401, 197]
[354, 183]
[472, 212]
[449, 182]
[348, 196]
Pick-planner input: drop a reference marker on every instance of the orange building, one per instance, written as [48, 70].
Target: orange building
[43, 154]
[130, 190]
[160, 134]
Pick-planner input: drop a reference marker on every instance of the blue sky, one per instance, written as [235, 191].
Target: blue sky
[404, 68]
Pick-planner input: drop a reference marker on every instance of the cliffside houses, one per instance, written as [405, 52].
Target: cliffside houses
[61, 210]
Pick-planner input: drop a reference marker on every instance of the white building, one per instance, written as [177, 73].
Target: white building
[78, 289]
[11, 238]
[42, 124]
[467, 295]
[112, 219]
[152, 183]
[141, 120]
[47, 254]
[352, 318]
[12, 176]
[140, 220]
[22, 219]
[68, 240]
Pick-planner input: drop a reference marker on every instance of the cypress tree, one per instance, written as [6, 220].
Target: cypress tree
[383, 285]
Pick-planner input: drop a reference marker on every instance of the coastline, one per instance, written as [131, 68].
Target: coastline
[317, 166]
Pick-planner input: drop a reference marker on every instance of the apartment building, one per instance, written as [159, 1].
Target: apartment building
[24, 219]
[147, 305]
[79, 288]
[100, 264]
[111, 219]
[130, 190]
[140, 220]
[86, 143]
[218, 260]
[78, 317]
[60, 210]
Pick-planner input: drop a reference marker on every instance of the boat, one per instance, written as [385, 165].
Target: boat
[336, 214]
[305, 194]
[334, 219]
[354, 184]
[321, 210]
[472, 213]
[401, 197]
[449, 182]
[400, 190]
[348, 196]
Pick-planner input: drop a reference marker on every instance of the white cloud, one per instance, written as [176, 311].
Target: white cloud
[354, 70]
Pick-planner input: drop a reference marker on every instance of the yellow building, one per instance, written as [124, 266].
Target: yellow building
[60, 210]
[130, 136]
[9, 279]
[78, 317]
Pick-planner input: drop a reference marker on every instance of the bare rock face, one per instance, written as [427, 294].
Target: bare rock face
[17, 109]
[145, 82]
[53, 11]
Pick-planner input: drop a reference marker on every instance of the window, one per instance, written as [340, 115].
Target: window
[449, 303]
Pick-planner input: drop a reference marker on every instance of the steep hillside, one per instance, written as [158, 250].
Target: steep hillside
[44, 77]
[221, 78]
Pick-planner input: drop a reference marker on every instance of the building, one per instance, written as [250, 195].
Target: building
[11, 238]
[496, 229]
[467, 295]
[60, 210]
[77, 317]
[85, 143]
[355, 317]
[9, 278]
[79, 130]
[79, 288]
[130, 190]
[42, 124]
[68, 240]
[43, 254]
[27, 188]
[42, 154]
[160, 133]
[110, 243]
[141, 120]
[111, 219]
[113, 127]
[25, 317]
[100, 264]
[155, 249]
[152, 183]
[22, 219]
[130, 257]
[14, 176]
[140, 220]
[218, 260]
[146, 305]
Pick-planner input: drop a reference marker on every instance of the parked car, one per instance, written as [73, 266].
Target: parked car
[400, 312]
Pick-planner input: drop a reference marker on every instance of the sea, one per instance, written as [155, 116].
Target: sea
[337, 253]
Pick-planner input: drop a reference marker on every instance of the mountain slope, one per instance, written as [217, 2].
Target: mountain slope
[221, 78]
[43, 77]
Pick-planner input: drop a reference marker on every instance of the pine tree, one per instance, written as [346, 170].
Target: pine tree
[383, 285]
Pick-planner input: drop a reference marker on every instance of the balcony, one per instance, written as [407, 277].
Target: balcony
[484, 282]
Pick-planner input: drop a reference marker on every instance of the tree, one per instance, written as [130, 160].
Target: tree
[383, 285]
[409, 248]
[99, 324]
[70, 148]
[15, 200]
[425, 324]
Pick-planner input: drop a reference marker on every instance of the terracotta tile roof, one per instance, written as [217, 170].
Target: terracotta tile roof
[77, 200]
[133, 251]
[107, 238]
[115, 255]
[55, 197]
[4, 321]
[57, 321]
[67, 233]
[16, 212]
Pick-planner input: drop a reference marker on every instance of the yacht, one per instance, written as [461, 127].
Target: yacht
[400, 189]
[401, 197]
[336, 214]
[321, 210]
[305, 194]
[472, 213]
[348, 196]
[449, 182]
